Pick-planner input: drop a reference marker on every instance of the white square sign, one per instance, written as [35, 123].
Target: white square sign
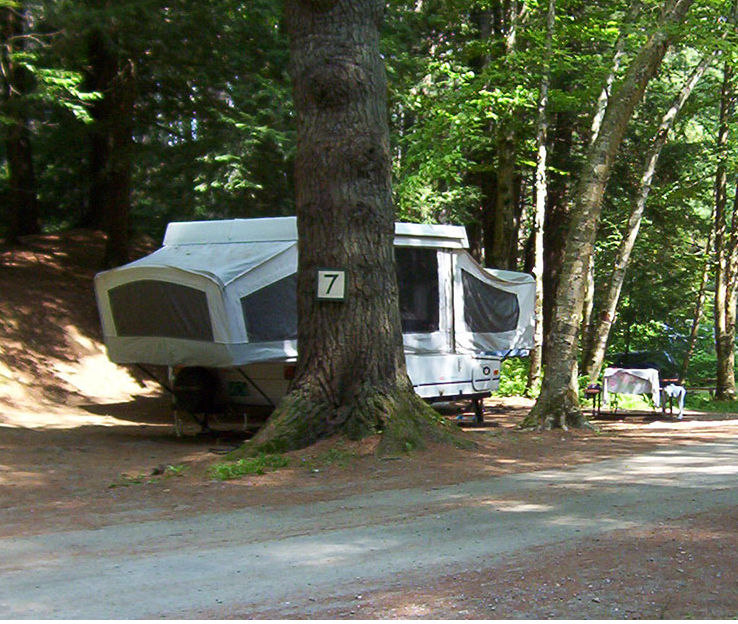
[331, 285]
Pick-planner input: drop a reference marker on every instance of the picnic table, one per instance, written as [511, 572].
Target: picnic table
[639, 381]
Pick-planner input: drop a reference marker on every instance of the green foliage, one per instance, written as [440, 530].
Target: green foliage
[157, 475]
[176, 470]
[703, 402]
[514, 378]
[258, 465]
[335, 456]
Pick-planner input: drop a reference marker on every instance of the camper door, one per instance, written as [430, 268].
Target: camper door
[423, 278]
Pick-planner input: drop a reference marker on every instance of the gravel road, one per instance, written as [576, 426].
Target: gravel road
[302, 557]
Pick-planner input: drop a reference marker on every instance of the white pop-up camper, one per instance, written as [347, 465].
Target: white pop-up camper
[217, 305]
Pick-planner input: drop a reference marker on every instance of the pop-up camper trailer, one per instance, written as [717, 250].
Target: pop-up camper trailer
[217, 305]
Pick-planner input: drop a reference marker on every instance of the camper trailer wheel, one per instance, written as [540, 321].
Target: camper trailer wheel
[195, 390]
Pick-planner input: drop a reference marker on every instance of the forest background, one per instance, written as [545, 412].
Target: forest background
[126, 116]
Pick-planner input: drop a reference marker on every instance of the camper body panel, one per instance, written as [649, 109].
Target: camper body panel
[445, 376]
[449, 376]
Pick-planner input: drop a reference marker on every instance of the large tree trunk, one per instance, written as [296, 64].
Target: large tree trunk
[22, 209]
[536, 355]
[601, 333]
[558, 403]
[351, 375]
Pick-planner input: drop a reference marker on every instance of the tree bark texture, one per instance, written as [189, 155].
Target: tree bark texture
[351, 376]
[558, 404]
[111, 144]
[481, 225]
[502, 248]
[541, 186]
[698, 307]
[556, 219]
[23, 208]
[724, 310]
[601, 333]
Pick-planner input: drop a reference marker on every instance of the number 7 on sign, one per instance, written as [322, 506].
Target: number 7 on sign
[331, 285]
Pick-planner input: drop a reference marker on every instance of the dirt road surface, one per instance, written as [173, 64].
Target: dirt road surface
[320, 559]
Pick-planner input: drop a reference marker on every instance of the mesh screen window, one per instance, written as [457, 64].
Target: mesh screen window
[417, 278]
[270, 314]
[488, 310]
[152, 308]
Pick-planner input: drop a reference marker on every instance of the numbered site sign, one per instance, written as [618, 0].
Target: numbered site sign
[331, 285]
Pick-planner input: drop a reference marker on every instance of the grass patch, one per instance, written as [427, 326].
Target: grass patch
[703, 402]
[258, 465]
[630, 402]
[175, 471]
[334, 456]
[164, 472]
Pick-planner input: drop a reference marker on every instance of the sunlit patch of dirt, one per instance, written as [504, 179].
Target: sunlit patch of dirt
[49, 324]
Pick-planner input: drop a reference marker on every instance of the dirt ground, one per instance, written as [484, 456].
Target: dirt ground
[98, 464]
[84, 444]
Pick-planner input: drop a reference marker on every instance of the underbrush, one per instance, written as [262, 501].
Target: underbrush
[257, 465]
[703, 402]
[514, 378]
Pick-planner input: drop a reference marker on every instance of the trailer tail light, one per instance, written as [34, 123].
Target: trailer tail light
[289, 372]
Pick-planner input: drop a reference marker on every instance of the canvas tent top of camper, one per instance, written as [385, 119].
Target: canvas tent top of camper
[223, 294]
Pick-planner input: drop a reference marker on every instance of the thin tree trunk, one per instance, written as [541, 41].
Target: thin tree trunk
[557, 219]
[724, 333]
[731, 308]
[111, 145]
[502, 252]
[119, 168]
[558, 403]
[479, 229]
[600, 108]
[22, 209]
[601, 334]
[617, 60]
[536, 355]
[351, 376]
[698, 307]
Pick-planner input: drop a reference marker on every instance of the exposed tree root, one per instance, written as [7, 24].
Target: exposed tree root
[562, 412]
[403, 419]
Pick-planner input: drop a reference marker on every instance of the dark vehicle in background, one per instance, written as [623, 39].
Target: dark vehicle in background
[660, 360]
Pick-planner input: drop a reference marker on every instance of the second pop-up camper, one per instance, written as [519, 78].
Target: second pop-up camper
[217, 305]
